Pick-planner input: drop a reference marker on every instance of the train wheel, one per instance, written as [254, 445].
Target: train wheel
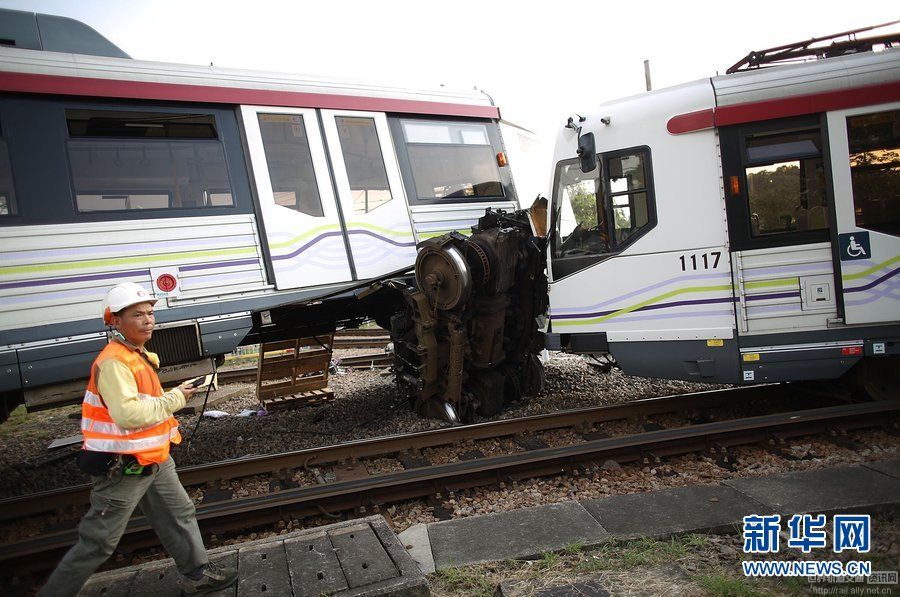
[435, 408]
[879, 377]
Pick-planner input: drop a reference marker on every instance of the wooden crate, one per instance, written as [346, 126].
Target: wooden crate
[292, 370]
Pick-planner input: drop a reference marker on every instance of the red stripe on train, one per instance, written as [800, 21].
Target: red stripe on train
[797, 105]
[62, 85]
[691, 121]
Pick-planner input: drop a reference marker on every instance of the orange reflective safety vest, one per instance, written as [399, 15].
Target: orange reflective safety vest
[101, 434]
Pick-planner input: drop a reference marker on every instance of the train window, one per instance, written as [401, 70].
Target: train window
[580, 228]
[124, 160]
[290, 163]
[875, 170]
[7, 192]
[629, 193]
[451, 160]
[596, 217]
[369, 186]
[769, 148]
[785, 177]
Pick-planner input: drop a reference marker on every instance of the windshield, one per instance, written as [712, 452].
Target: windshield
[451, 160]
[580, 227]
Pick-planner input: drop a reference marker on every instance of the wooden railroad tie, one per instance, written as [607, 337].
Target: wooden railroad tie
[311, 398]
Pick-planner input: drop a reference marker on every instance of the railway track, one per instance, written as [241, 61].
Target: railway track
[377, 360]
[368, 491]
[38, 503]
[362, 332]
[365, 342]
[361, 338]
[237, 375]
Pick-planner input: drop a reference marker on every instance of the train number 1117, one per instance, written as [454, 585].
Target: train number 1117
[704, 261]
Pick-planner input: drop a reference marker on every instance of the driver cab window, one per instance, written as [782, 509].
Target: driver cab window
[629, 192]
[579, 222]
[599, 213]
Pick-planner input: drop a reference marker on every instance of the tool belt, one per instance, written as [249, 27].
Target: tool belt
[99, 464]
[130, 466]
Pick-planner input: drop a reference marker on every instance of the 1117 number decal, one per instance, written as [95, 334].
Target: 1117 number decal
[703, 261]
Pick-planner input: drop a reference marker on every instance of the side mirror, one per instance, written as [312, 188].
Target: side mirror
[587, 151]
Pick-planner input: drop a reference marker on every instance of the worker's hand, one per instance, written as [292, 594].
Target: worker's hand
[187, 391]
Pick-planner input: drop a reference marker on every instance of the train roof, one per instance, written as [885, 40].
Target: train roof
[806, 78]
[27, 70]
[866, 78]
[783, 91]
[36, 31]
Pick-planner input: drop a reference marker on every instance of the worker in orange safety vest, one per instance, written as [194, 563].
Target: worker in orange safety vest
[127, 425]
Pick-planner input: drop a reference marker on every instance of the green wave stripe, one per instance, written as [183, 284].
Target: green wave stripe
[12, 270]
[636, 306]
[332, 227]
[301, 237]
[872, 269]
[758, 284]
[374, 228]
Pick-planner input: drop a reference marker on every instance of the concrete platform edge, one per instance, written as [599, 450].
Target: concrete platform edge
[761, 506]
[419, 546]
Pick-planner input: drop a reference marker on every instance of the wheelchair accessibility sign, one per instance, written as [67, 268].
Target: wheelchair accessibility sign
[854, 245]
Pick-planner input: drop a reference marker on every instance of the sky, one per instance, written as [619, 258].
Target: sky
[540, 62]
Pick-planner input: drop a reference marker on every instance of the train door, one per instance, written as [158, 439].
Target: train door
[299, 211]
[865, 150]
[367, 177]
[779, 222]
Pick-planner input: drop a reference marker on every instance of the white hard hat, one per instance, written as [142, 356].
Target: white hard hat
[124, 295]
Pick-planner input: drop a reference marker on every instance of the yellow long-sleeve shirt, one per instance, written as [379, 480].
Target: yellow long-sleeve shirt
[119, 392]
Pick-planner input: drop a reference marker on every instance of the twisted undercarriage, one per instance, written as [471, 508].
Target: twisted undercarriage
[468, 339]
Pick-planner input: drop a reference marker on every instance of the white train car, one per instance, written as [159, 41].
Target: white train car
[222, 191]
[742, 228]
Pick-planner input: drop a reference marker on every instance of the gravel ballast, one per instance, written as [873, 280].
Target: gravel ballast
[367, 404]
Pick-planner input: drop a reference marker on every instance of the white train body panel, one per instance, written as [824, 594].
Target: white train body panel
[666, 304]
[644, 290]
[430, 221]
[49, 273]
[788, 174]
[776, 288]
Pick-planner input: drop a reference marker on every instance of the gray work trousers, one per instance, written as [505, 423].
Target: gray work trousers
[163, 501]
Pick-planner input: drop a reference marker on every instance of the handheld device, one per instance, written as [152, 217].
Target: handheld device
[200, 382]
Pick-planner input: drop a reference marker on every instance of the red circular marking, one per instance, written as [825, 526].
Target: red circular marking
[166, 282]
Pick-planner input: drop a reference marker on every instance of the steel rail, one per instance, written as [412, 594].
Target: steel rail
[40, 552]
[354, 332]
[362, 342]
[237, 375]
[376, 359]
[37, 503]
